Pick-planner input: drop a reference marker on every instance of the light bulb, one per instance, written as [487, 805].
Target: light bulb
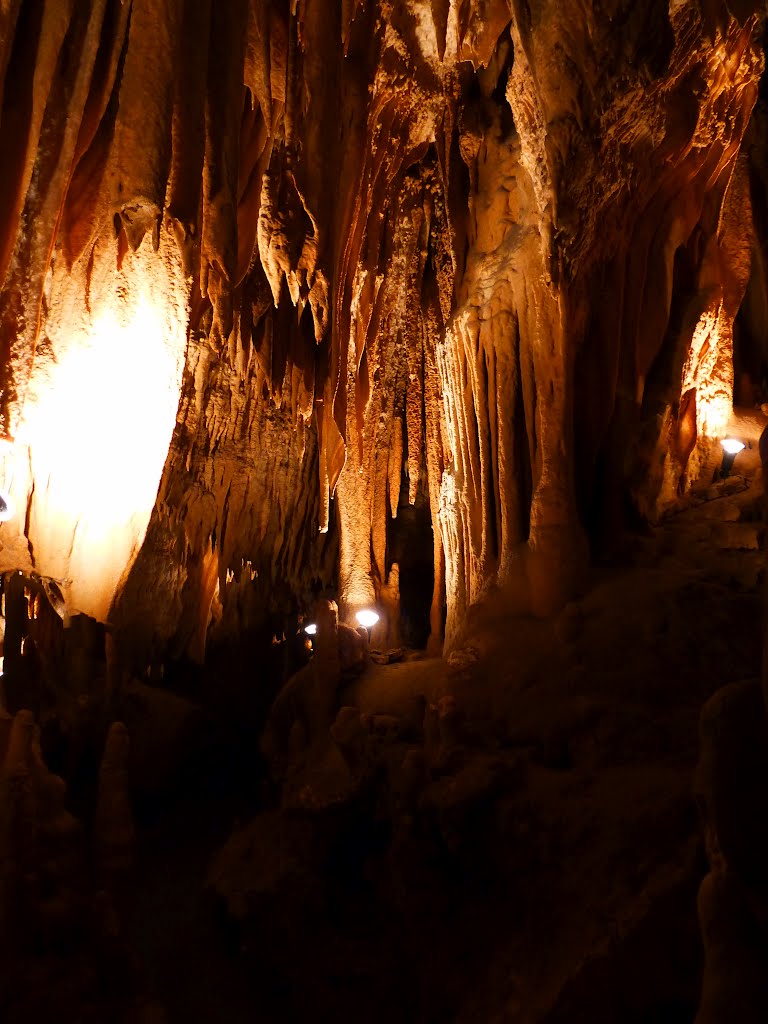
[367, 617]
[311, 629]
[731, 445]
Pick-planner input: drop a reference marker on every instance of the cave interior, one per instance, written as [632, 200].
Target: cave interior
[383, 429]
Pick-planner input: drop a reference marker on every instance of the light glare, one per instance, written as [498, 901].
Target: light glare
[367, 617]
[732, 446]
[98, 421]
[311, 629]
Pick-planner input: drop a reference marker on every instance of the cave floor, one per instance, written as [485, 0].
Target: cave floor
[554, 874]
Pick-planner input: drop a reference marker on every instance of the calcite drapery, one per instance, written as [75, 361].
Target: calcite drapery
[604, 176]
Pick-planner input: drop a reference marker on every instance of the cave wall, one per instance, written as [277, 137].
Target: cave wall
[258, 258]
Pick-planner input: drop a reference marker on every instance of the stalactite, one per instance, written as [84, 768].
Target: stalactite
[373, 268]
[257, 70]
[141, 150]
[30, 79]
[188, 127]
[218, 260]
[24, 285]
[86, 198]
[436, 451]
[414, 343]
[235, 490]
[395, 466]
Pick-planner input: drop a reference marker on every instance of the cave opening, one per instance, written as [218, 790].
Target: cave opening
[410, 545]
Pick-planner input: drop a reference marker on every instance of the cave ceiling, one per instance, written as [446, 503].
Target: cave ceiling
[273, 269]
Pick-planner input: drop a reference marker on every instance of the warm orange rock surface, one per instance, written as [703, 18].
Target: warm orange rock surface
[495, 250]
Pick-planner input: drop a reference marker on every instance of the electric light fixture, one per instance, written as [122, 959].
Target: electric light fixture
[367, 617]
[732, 446]
[311, 629]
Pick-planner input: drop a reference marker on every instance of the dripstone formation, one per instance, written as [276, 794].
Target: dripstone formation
[440, 308]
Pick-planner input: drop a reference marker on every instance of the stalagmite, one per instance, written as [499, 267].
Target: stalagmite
[113, 828]
[439, 310]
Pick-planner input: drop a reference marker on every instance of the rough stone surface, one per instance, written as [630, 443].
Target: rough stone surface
[472, 250]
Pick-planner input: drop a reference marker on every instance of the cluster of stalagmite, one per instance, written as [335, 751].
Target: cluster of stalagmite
[49, 868]
[472, 249]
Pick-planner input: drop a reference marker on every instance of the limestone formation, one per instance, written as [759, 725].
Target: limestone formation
[40, 841]
[306, 706]
[433, 307]
[113, 828]
[492, 251]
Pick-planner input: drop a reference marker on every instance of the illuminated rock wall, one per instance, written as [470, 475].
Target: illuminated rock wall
[262, 262]
[98, 418]
[621, 150]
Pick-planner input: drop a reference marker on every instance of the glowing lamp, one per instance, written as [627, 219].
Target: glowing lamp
[367, 617]
[732, 446]
[7, 509]
[311, 629]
